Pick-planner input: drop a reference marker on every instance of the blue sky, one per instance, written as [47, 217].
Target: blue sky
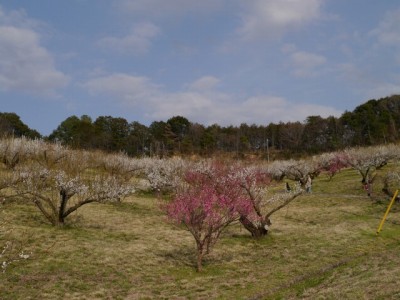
[212, 61]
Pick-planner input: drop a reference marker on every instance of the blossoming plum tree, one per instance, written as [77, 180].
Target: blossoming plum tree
[164, 175]
[368, 159]
[391, 182]
[57, 193]
[296, 170]
[14, 151]
[214, 195]
[59, 181]
[205, 204]
[331, 163]
[254, 182]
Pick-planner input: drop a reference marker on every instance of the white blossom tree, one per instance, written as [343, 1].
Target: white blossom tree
[165, 175]
[296, 170]
[16, 150]
[57, 193]
[255, 183]
[120, 164]
[391, 182]
[366, 160]
[59, 181]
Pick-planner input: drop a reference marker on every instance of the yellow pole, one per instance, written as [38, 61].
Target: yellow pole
[387, 212]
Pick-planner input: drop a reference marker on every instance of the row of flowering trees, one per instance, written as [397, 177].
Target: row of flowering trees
[213, 195]
[207, 195]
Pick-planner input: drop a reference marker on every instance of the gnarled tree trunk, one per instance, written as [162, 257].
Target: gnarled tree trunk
[256, 230]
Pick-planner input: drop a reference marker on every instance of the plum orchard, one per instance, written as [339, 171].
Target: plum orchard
[207, 196]
[213, 195]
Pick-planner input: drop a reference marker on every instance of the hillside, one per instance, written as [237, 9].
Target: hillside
[321, 246]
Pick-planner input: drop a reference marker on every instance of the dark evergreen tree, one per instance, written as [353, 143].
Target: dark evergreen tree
[11, 124]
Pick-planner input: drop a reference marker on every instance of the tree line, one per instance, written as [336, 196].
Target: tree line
[372, 123]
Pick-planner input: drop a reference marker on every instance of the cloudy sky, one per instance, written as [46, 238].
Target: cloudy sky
[212, 61]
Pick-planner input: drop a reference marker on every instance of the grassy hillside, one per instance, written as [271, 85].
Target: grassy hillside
[322, 246]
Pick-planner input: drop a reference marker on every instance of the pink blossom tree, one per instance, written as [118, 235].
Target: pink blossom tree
[214, 195]
[331, 163]
[206, 207]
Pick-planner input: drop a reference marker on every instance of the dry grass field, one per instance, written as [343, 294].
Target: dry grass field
[322, 246]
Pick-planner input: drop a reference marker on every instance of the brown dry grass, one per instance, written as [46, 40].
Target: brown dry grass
[322, 246]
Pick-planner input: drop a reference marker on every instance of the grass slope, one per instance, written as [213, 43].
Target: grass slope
[322, 246]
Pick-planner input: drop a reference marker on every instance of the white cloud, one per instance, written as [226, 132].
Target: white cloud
[388, 31]
[368, 84]
[206, 106]
[195, 106]
[288, 48]
[162, 8]
[265, 109]
[130, 89]
[138, 41]
[306, 64]
[350, 73]
[19, 18]
[204, 83]
[24, 64]
[271, 18]
[383, 90]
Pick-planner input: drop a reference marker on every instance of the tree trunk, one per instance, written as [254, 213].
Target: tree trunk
[199, 262]
[257, 231]
[63, 204]
[200, 254]
[48, 216]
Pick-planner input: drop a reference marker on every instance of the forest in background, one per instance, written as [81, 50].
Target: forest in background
[372, 123]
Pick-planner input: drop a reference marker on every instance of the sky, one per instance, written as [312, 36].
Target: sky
[212, 61]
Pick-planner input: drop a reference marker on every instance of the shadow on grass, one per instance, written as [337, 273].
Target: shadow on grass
[185, 257]
[180, 256]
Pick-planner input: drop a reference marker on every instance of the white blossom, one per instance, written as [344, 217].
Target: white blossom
[165, 174]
